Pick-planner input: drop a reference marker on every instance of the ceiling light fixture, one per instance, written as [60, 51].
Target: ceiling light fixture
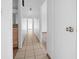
[23, 3]
[30, 9]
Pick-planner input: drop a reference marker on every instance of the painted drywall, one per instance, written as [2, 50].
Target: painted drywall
[40, 28]
[50, 27]
[44, 16]
[24, 28]
[77, 28]
[15, 4]
[43, 19]
[17, 20]
[14, 18]
[65, 42]
[6, 30]
[36, 26]
[15, 11]
[20, 40]
[22, 23]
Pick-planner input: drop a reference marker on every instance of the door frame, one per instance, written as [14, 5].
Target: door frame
[32, 23]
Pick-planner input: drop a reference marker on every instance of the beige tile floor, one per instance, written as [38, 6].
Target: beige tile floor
[32, 49]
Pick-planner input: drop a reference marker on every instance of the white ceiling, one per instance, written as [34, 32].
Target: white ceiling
[33, 3]
[15, 4]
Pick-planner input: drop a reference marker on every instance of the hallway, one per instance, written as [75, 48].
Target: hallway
[32, 49]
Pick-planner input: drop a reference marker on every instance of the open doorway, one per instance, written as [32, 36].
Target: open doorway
[61, 29]
[32, 28]
[30, 24]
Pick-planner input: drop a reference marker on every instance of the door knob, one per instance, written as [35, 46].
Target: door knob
[69, 29]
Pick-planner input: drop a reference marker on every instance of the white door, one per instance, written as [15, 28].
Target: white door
[30, 27]
[65, 18]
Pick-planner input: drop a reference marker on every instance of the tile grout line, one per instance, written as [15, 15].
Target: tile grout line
[31, 40]
[25, 48]
[33, 47]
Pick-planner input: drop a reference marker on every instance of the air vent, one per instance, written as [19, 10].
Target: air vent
[23, 3]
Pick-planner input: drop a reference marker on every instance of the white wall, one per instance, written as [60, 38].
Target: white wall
[15, 10]
[14, 18]
[20, 40]
[77, 29]
[40, 28]
[44, 16]
[17, 20]
[22, 23]
[36, 26]
[6, 30]
[24, 28]
[50, 27]
[15, 4]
